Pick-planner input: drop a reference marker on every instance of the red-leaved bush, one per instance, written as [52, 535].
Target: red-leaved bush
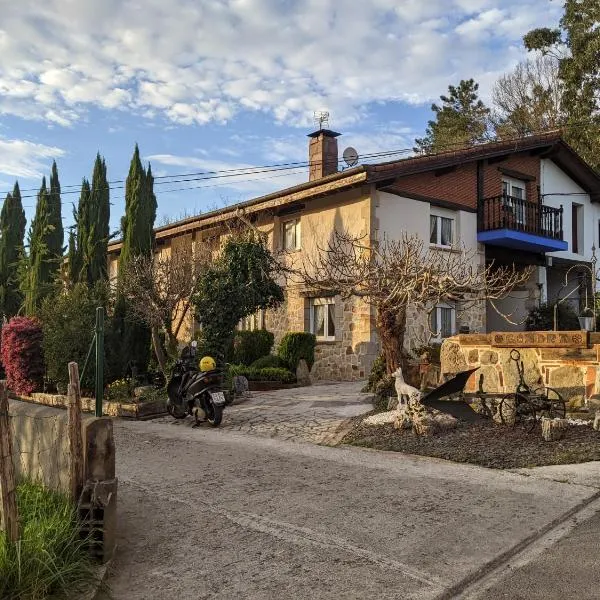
[22, 355]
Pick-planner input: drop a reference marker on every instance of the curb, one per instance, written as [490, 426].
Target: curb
[456, 590]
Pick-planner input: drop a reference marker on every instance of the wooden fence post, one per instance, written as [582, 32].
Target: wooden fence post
[75, 441]
[8, 494]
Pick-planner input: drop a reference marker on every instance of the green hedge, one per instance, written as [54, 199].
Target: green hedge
[266, 374]
[297, 345]
[249, 346]
[271, 360]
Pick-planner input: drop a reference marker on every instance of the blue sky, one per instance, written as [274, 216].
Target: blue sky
[205, 85]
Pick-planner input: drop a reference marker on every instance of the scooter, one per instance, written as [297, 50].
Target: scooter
[194, 392]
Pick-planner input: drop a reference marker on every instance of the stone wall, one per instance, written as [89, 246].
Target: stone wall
[570, 367]
[40, 445]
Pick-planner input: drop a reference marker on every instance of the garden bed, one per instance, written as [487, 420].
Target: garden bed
[131, 410]
[483, 443]
[266, 386]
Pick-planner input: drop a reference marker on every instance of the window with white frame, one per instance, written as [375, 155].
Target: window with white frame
[513, 191]
[253, 322]
[443, 321]
[290, 234]
[441, 231]
[322, 318]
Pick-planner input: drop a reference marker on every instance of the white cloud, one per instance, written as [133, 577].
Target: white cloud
[199, 62]
[21, 158]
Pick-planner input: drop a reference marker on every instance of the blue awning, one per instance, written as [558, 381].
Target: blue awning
[519, 240]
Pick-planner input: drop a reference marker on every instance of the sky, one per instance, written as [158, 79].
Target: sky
[215, 85]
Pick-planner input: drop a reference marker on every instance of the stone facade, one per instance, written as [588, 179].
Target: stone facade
[573, 371]
[347, 358]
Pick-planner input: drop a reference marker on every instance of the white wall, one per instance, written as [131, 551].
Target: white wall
[554, 185]
[397, 215]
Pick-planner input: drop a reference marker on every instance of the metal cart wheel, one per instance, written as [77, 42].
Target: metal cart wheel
[553, 404]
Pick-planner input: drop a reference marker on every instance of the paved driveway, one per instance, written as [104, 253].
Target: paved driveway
[320, 413]
[218, 514]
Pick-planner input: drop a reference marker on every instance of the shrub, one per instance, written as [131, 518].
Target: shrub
[433, 351]
[121, 389]
[51, 558]
[267, 374]
[542, 318]
[249, 346]
[22, 354]
[378, 371]
[271, 360]
[68, 321]
[295, 346]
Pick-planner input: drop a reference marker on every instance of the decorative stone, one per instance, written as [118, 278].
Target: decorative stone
[423, 424]
[597, 421]
[569, 381]
[488, 357]
[491, 381]
[240, 385]
[531, 370]
[402, 420]
[452, 358]
[444, 421]
[473, 356]
[383, 418]
[553, 429]
[303, 373]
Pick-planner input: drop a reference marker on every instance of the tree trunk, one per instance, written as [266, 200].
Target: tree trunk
[159, 351]
[391, 326]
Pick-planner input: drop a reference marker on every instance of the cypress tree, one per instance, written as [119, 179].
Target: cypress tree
[56, 235]
[78, 242]
[99, 227]
[12, 233]
[138, 240]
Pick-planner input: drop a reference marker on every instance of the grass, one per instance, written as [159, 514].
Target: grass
[50, 558]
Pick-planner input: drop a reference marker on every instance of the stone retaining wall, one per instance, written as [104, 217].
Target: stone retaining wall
[566, 361]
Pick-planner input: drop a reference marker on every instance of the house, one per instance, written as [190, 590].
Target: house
[530, 201]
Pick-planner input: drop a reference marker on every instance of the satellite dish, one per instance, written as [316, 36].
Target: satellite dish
[350, 156]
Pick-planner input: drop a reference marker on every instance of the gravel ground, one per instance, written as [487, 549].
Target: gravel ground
[484, 444]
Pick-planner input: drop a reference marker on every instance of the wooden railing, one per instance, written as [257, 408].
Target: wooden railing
[508, 212]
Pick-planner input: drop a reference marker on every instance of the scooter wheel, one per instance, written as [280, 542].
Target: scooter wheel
[174, 411]
[214, 414]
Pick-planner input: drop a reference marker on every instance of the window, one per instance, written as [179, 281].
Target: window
[322, 318]
[443, 321]
[253, 322]
[441, 230]
[513, 191]
[290, 231]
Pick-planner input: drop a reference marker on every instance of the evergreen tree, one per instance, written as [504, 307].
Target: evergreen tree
[99, 227]
[138, 240]
[78, 242]
[461, 120]
[12, 233]
[579, 71]
[56, 235]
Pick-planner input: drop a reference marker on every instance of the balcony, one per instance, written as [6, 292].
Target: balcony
[515, 223]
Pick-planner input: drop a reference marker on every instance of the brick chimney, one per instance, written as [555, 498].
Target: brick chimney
[322, 154]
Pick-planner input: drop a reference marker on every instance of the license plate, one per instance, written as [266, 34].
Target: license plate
[218, 398]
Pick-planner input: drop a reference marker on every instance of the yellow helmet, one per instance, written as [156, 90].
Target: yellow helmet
[207, 363]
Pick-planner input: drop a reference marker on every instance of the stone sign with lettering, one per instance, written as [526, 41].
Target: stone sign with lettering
[540, 339]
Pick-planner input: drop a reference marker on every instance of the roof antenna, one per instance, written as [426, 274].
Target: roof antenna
[321, 118]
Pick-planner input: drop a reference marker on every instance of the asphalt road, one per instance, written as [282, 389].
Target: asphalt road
[219, 514]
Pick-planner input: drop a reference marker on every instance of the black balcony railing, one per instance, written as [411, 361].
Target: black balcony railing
[508, 212]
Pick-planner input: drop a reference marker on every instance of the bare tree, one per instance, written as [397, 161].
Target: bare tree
[159, 290]
[396, 274]
[528, 100]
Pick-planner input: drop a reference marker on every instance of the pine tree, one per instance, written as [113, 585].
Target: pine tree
[578, 70]
[461, 120]
[138, 240]
[12, 233]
